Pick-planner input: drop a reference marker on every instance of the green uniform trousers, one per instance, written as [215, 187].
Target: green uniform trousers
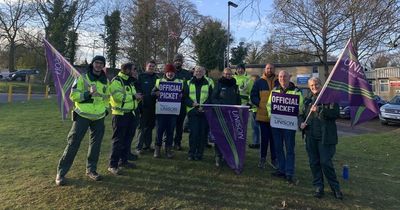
[320, 159]
[79, 127]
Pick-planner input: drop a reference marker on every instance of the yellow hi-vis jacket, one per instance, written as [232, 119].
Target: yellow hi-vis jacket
[92, 107]
[204, 93]
[245, 83]
[122, 92]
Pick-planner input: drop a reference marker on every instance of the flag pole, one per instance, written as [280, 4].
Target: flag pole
[327, 80]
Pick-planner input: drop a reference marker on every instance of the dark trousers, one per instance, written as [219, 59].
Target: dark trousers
[124, 127]
[179, 127]
[146, 125]
[198, 134]
[286, 157]
[266, 139]
[320, 159]
[78, 130]
[165, 125]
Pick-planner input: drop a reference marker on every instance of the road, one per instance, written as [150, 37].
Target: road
[19, 97]
[372, 126]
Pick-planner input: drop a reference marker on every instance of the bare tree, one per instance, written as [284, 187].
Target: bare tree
[255, 53]
[303, 24]
[374, 24]
[13, 17]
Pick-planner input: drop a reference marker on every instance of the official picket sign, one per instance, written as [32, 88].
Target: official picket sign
[284, 111]
[169, 101]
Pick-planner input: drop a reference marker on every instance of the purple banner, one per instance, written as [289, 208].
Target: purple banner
[285, 104]
[170, 92]
[64, 74]
[228, 126]
[347, 82]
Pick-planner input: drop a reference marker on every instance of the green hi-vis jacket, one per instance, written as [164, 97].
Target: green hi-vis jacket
[122, 92]
[292, 90]
[245, 83]
[202, 93]
[92, 107]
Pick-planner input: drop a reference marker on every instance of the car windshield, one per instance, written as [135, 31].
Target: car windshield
[395, 100]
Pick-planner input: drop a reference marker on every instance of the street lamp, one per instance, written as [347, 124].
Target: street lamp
[94, 46]
[229, 19]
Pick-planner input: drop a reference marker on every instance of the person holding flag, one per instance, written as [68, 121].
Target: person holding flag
[321, 139]
[284, 105]
[90, 96]
[123, 100]
[200, 91]
[226, 92]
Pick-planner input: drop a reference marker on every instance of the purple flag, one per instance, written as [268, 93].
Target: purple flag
[347, 82]
[228, 126]
[64, 75]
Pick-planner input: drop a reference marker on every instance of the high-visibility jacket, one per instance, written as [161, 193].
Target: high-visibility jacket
[92, 107]
[204, 93]
[292, 90]
[122, 91]
[210, 81]
[245, 83]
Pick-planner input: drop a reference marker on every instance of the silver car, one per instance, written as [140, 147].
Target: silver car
[390, 112]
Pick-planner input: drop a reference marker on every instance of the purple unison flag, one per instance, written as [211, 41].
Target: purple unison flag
[64, 75]
[347, 82]
[228, 126]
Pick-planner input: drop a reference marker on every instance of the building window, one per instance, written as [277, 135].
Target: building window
[372, 83]
[384, 85]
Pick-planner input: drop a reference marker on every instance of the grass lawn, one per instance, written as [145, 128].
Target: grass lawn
[32, 139]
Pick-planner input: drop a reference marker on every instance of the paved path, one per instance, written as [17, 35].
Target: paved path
[372, 126]
[17, 97]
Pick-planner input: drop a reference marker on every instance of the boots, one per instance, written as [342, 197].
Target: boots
[157, 152]
[168, 152]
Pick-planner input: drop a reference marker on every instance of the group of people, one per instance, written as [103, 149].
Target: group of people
[133, 100]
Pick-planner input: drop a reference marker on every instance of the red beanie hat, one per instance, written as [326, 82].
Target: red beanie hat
[169, 68]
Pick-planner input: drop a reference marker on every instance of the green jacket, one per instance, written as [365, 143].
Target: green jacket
[245, 83]
[320, 125]
[92, 107]
[122, 92]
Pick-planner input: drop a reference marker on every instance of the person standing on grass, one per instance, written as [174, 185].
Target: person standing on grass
[147, 106]
[123, 100]
[255, 144]
[166, 122]
[226, 92]
[259, 96]
[90, 95]
[321, 139]
[200, 91]
[283, 137]
[183, 75]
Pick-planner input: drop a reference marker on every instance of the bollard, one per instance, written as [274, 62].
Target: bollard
[9, 93]
[46, 93]
[29, 91]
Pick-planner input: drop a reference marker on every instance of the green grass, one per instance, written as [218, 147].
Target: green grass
[32, 139]
[22, 87]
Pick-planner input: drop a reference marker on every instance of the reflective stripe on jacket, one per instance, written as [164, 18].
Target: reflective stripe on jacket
[92, 107]
[122, 92]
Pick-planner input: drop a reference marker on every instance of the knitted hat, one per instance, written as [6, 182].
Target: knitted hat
[169, 68]
[99, 58]
[178, 57]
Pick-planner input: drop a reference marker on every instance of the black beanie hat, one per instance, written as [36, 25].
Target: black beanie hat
[241, 66]
[99, 58]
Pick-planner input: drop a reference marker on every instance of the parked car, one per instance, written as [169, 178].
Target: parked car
[21, 75]
[379, 101]
[390, 112]
[4, 75]
[344, 108]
